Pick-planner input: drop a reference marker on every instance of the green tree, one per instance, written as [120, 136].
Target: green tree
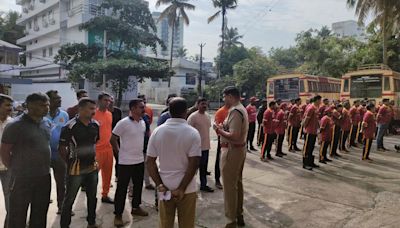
[230, 57]
[174, 12]
[232, 37]
[129, 27]
[251, 73]
[9, 30]
[285, 58]
[386, 15]
[182, 52]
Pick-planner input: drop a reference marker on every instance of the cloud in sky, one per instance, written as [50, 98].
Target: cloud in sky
[264, 23]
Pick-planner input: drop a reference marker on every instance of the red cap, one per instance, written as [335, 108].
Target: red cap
[253, 99]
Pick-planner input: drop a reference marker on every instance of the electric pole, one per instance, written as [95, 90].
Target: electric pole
[200, 92]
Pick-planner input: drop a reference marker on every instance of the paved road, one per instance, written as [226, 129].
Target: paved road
[345, 193]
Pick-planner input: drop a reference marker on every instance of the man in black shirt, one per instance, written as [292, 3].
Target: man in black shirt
[116, 117]
[77, 147]
[25, 151]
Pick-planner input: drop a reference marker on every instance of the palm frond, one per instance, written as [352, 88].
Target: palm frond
[213, 17]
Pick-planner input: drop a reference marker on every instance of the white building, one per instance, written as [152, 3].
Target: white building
[349, 28]
[185, 79]
[164, 32]
[50, 24]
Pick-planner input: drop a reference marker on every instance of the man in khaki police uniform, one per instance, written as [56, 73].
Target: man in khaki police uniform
[233, 134]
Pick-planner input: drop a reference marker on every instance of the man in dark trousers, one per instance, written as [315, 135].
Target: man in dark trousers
[280, 128]
[116, 117]
[260, 116]
[355, 121]
[345, 126]
[294, 121]
[252, 113]
[310, 127]
[25, 150]
[383, 119]
[77, 147]
[269, 131]
[337, 119]
[368, 128]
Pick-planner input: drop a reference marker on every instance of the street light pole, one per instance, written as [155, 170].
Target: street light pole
[200, 92]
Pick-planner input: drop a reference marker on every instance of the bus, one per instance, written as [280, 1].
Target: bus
[298, 85]
[374, 82]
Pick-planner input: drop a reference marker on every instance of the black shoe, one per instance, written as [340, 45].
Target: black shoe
[284, 154]
[314, 165]
[107, 200]
[240, 221]
[206, 189]
[253, 149]
[328, 160]
[218, 185]
[297, 149]
[307, 167]
[338, 155]
[83, 189]
[322, 161]
[208, 173]
[270, 157]
[150, 187]
[279, 155]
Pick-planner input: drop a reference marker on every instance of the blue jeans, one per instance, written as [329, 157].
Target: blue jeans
[203, 168]
[5, 177]
[382, 128]
[89, 180]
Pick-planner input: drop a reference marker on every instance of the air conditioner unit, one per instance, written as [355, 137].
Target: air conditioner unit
[36, 28]
[52, 21]
[25, 10]
[31, 7]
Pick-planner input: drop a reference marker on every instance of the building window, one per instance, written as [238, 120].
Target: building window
[346, 85]
[190, 79]
[35, 41]
[386, 83]
[50, 51]
[30, 24]
[30, 55]
[44, 52]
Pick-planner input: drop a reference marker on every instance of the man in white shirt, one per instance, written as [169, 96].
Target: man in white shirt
[5, 112]
[178, 147]
[202, 122]
[130, 131]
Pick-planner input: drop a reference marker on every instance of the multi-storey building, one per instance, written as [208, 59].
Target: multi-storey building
[164, 32]
[50, 24]
[349, 28]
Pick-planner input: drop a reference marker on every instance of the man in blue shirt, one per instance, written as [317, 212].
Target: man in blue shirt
[57, 118]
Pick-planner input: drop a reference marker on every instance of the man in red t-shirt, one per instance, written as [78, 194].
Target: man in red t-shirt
[383, 119]
[337, 119]
[362, 109]
[310, 127]
[368, 128]
[303, 110]
[269, 124]
[345, 126]
[280, 128]
[355, 120]
[252, 113]
[294, 122]
[326, 134]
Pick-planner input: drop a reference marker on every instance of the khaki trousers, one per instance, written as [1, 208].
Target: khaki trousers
[186, 211]
[232, 162]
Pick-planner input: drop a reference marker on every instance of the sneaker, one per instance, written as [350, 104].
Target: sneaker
[107, 200]
[206, 189]
[139, 212]
[150, 187]
[118, 222]
[218, 185]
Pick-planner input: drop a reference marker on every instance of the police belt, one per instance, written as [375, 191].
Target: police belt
[226, 145]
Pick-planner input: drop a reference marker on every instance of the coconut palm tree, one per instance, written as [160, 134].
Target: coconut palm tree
[386, 15]
[223, 5]
[181, 52]
[231, 37]
[174, 12]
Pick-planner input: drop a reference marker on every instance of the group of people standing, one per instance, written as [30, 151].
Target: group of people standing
[335, 125]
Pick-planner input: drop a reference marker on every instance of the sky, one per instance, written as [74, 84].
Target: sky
[263, 23]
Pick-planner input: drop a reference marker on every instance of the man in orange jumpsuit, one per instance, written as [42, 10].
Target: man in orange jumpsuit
[104, 152]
